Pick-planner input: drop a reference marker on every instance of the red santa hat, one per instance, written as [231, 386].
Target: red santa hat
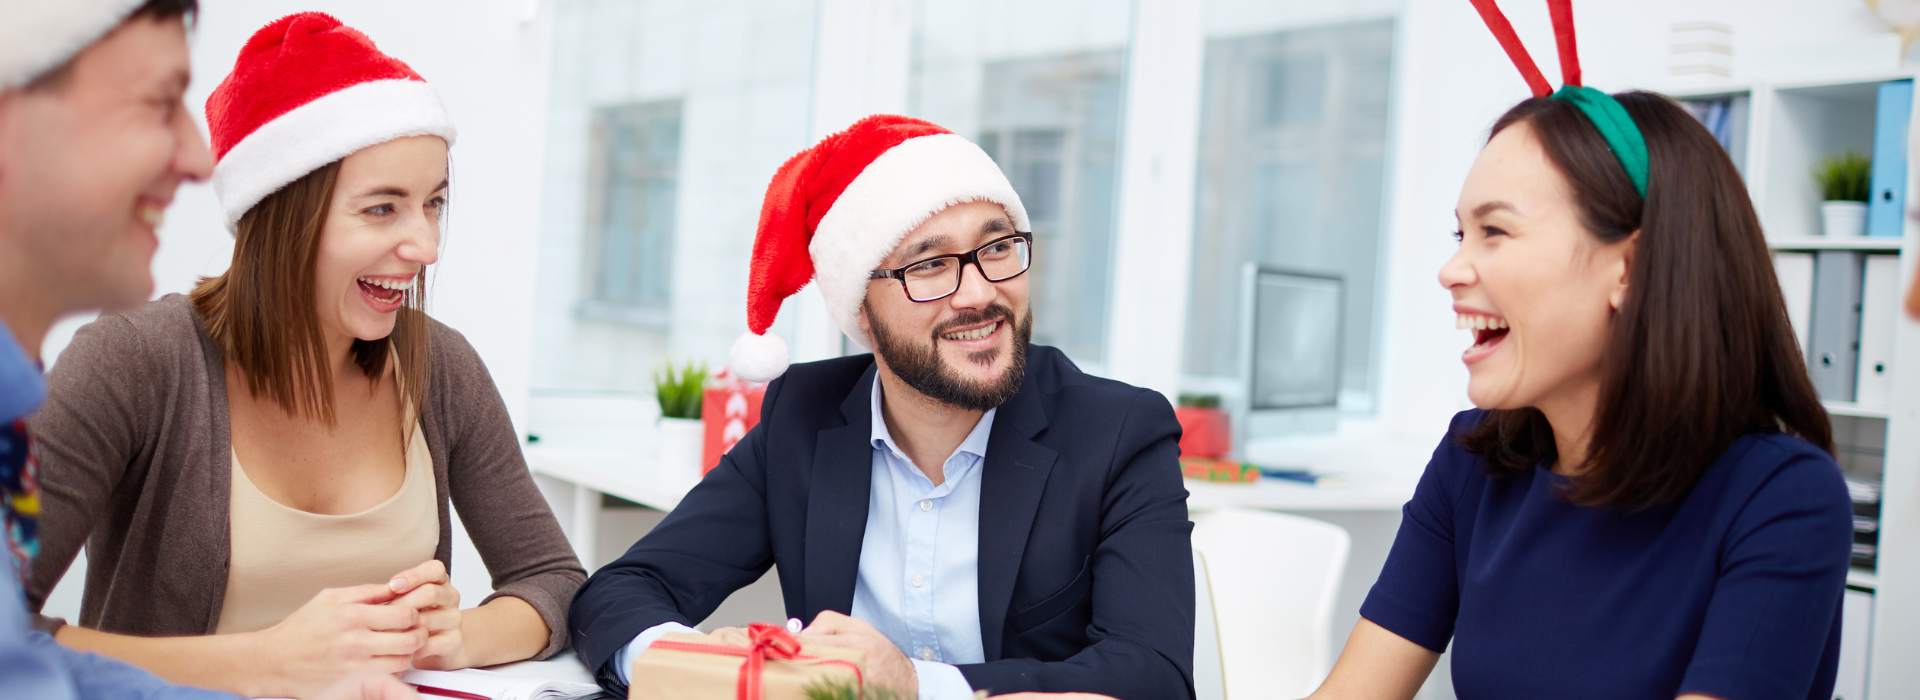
[37, 35]
[305, 92]
[834, 211]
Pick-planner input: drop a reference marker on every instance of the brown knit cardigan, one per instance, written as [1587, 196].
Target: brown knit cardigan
[135, 462]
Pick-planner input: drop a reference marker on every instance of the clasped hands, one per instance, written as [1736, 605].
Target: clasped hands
[412, 621]
[887, 666]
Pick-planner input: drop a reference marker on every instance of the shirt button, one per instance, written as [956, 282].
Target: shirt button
[919, 580]
[926, 654]
[926, 504]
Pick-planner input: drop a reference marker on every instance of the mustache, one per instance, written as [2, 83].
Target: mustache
[970, 317]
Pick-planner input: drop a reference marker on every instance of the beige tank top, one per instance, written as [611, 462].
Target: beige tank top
[282, 556]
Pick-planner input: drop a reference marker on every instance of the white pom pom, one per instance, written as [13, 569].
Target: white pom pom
[758, 358]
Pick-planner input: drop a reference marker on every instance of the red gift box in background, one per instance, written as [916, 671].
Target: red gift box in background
[1204, 432]
[728, 409]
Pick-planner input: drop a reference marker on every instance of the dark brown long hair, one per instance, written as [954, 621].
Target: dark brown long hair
[261, 310]
[1700, 352]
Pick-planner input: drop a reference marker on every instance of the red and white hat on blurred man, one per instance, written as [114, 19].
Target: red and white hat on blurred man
[305, 92]
[834, 211]
[37, 35]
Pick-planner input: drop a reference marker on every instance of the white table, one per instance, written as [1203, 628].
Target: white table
[1381, 470]
[563, 666]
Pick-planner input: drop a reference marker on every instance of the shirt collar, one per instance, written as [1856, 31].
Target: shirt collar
[22, 385]
[975, 444]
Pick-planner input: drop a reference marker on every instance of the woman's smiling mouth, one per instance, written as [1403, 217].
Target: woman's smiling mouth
[1488, 333]
[385, 294]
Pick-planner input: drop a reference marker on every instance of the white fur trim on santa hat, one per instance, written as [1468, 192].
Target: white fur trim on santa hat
[36, 35]
[896, 193]
[758, 358]
[327, 129]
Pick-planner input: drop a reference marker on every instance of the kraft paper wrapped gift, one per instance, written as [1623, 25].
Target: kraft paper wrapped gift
[764, 662]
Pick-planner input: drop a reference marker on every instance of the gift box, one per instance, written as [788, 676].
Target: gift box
[1219, 470]
[729, 408]
[763, 662]
[1204, 432]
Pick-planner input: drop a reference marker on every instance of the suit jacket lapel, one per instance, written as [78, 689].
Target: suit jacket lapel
[842, 481]
[1012, 478]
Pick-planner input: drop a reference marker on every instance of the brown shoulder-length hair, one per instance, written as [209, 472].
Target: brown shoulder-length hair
[1700, 352]
[262, 309]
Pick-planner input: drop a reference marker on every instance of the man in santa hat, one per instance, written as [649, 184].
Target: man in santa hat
[970, 510]
[94, 140]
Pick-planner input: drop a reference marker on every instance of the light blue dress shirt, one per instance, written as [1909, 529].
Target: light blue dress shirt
[919, 561]
[32, 665]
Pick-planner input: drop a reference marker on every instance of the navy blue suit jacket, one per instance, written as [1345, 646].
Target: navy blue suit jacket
[1085, 578]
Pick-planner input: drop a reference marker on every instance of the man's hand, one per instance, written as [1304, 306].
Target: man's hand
[367, 685]
[886, 668]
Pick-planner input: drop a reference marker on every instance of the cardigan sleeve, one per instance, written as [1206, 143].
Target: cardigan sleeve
[93, 426]
[509, 521]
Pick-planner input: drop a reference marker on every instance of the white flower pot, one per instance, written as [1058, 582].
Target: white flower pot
[1843, 219]
[680, 443]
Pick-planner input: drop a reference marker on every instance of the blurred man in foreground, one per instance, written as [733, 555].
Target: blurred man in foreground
[94, 141]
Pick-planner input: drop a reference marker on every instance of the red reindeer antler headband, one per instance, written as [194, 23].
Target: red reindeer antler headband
[1621, 134]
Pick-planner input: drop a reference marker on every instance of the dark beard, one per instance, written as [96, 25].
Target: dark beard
[921, 368]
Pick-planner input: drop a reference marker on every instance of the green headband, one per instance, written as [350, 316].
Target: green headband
[1622, 136]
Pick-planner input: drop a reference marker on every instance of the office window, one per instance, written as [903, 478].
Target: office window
[634, 184]
[1053, 125]
[1291, 175]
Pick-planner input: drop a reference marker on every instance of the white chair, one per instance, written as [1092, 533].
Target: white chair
[1273, 579]
[1208, 678]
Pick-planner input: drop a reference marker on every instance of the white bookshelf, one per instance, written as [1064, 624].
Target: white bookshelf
[1790, 125]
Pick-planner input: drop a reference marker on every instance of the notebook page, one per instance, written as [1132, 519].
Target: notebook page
[501, 686]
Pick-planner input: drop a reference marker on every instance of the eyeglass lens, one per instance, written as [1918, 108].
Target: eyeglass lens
[939, 277]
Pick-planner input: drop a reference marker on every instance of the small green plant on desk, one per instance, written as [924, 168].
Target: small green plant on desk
[1200, 400]
[1847, 177]
[680, 389]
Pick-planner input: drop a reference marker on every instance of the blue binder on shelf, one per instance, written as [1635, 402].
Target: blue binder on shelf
[1886, 214]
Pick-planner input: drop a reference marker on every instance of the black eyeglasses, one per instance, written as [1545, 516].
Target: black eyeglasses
[936, 278]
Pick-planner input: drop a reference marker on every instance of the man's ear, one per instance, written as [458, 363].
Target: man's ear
[1621, 270]
[866, 326]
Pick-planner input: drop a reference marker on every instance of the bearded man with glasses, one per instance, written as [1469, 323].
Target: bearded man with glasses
[969, 510]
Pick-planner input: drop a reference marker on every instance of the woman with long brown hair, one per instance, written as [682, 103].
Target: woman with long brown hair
[262, 470]
[1645, 503]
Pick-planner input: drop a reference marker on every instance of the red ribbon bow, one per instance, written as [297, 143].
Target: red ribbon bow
[766, 642]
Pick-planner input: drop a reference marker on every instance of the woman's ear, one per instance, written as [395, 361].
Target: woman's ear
[1621, 269]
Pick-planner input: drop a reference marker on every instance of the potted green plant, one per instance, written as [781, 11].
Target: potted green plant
[680, 391]
[1846, 184]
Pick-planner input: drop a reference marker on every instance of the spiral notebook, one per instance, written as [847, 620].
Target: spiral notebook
[471, 683]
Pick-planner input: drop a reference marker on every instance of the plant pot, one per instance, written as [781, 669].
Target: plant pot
[680, 443]
[1843, 219]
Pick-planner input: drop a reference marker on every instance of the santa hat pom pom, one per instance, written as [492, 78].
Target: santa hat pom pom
[758, 357]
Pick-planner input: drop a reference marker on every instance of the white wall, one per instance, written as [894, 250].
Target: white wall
[742, 68]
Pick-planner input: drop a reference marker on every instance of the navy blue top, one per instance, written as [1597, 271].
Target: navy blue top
[1733, 591]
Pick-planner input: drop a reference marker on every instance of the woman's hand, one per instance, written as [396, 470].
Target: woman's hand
[427, 589]
[339, 632]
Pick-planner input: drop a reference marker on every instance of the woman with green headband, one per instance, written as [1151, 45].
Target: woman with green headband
[1645, 503]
